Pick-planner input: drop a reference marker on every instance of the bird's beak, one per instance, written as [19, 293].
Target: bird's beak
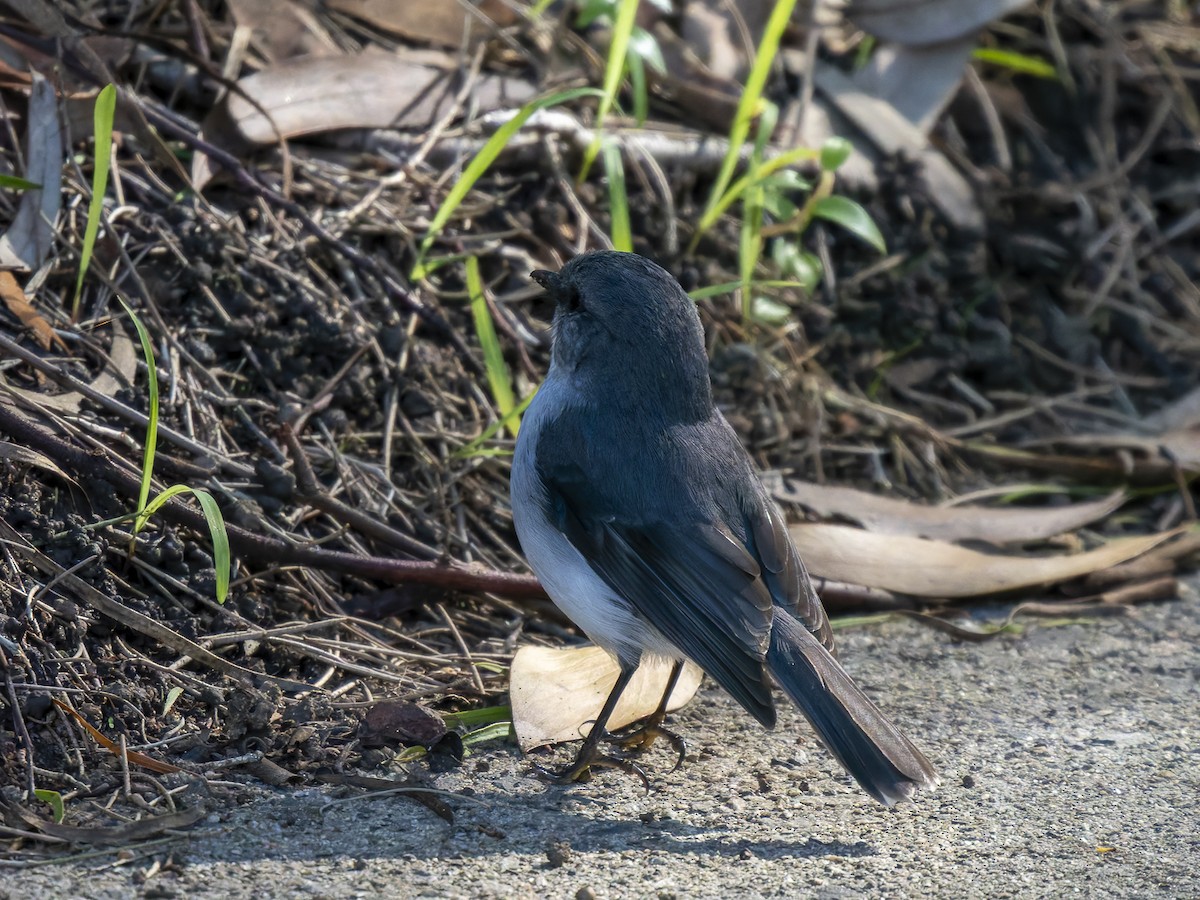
[546, 278]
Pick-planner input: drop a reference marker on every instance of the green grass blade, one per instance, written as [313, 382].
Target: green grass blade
[614, 72]
[750, 104]
[498, 375]
[1020, 63]
[482, 161]
[152, 423]
[477, 718]
[13, 183]
[106, 106]
[618, 198]
[851, 216]
[216, 529]
[715, 290]
[475, 447]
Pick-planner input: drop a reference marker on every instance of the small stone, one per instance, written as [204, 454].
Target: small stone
[968, 781]
[558, 853]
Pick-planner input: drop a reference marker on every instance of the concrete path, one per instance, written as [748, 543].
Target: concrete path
[1068, 756]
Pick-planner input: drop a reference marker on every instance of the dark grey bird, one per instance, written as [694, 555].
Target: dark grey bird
[640, 511]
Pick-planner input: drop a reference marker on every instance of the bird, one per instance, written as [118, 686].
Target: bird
[641, 513]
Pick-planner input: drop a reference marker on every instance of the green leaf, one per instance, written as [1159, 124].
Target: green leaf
[834, 152]
[106, 105]
[498, 376]
[728, 287]
[222, 562]
[172, 696]
[152, 424]
[793, 261]
[1020, 63]
[482, 161]
[769, 311]
[54, 800]
[593, 10]
[749, 106]
[851, 216]
[614, 73]
[644, 46]
[779, 206]
[13, 183]
[497, 731]
[618, 198]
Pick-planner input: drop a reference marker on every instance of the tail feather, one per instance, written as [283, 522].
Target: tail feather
[865, 742]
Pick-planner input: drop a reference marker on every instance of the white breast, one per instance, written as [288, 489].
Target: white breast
[571, 583]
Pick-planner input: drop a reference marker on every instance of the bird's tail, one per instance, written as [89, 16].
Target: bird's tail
[870, 747]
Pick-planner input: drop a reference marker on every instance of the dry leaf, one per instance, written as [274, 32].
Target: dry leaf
[16, 453]
[431, 21]
[141, 759]
[925, 568]
[557, 694]
[999, 525]
[927, 22]
[282, 28]
[28, 240]
[408, 90]
[18, 304]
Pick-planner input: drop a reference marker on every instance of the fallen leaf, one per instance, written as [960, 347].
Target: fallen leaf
[16, 453]
[282, 28]
[927, 22]
[407, 90]
[30, 236]
[128, 833]
[557, 694]
[18, 304]
[141, 759]
[431, 21]
[924, 568]
[999, 525]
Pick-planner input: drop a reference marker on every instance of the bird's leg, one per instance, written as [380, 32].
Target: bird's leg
[643, 735]
[589, 754]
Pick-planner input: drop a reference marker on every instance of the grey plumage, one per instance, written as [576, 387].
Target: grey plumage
[642, 514]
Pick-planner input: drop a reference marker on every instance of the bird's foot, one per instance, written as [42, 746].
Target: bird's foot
[636, 741]
[591, 758]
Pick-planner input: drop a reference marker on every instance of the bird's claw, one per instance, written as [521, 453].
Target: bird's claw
[640, 739]
[581, 769]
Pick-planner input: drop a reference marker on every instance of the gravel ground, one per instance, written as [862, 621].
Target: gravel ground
[1069, 769]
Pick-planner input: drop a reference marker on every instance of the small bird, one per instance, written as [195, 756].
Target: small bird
[641, 513]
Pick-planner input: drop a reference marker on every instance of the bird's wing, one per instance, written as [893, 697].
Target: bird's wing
[782, 569]
[693, 581]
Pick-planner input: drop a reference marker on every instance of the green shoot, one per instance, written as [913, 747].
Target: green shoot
[106, 105]
[765, 170]
[151, 446]
[147, 507]
[498, 376]
[624, 15]
[481, 162]
[750, 105]
[618, 198]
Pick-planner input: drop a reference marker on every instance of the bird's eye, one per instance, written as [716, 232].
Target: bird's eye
[569, 299]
